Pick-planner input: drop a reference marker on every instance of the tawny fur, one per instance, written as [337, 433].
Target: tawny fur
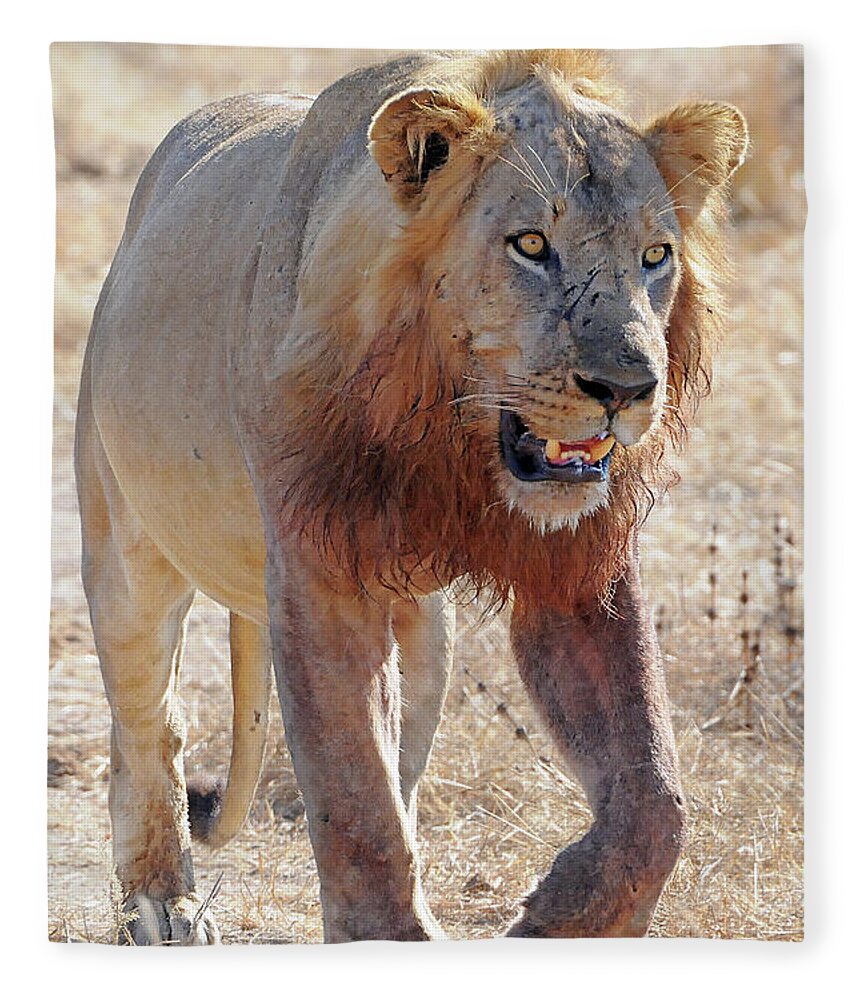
[290, 401]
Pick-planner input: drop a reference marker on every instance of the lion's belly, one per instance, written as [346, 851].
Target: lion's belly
[214, 539]
[188, 485]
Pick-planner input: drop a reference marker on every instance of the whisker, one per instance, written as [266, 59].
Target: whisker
[530, 184]
[665, 200]
[493, 406]
[695, 170]
[653, 193]
[531, 170]
[519, 170]
[497, 407]
[485, 398]
[512, 377]
[538, 157]
[673, 208]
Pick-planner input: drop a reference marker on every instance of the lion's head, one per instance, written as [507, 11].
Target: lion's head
[533, 320]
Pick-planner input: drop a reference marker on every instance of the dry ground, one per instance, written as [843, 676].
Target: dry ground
[722, 563]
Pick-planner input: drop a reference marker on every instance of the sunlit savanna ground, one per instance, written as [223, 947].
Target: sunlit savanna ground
[722, 561]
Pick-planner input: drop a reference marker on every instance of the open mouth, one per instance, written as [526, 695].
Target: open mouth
[534, 459]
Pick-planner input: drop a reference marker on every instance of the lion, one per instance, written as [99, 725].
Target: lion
[358, 359]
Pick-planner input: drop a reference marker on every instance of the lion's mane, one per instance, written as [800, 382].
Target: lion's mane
[411, 492]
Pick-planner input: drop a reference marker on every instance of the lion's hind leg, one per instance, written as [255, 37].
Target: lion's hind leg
[138, 605]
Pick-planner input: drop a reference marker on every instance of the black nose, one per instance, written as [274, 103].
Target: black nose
[611, 394]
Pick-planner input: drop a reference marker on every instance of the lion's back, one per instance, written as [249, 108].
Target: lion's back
[211, 130]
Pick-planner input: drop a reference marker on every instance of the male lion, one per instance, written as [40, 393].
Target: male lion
[436, 325]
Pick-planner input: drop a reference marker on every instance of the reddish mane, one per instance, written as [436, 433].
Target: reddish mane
[412, 493]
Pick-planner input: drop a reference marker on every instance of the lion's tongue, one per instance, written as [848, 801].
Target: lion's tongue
[589, 451]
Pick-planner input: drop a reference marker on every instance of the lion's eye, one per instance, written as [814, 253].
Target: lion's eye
[656, 255]
[532, 245]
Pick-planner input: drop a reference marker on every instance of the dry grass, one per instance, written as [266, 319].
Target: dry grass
[722, 562]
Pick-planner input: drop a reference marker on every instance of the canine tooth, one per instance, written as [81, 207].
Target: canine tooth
[602, 448]
[553, 449]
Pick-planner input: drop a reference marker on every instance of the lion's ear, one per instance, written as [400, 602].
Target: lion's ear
[418, 131]
[697, 148]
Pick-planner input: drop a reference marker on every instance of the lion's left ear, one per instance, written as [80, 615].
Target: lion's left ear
[418, 131]
[697, 148]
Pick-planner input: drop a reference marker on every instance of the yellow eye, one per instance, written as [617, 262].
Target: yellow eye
[656, 255]
[531, 245]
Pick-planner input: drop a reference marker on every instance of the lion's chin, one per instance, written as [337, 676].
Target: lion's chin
[550, 506]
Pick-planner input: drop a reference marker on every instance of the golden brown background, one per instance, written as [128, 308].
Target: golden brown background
[722, 559]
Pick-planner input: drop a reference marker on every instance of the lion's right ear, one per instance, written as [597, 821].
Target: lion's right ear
[418, 131]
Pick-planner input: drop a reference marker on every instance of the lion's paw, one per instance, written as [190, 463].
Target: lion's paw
[173, 921]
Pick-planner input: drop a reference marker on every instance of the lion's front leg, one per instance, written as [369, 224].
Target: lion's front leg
[598, 681]
[339, 686]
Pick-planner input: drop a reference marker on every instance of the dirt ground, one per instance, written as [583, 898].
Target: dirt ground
[722, 562]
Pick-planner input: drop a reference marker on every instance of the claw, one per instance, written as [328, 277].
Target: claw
[176, 921]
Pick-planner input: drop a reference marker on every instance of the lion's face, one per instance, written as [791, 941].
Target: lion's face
[557, 276]
[564, 273]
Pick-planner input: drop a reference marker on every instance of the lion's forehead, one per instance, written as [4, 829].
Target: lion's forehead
[580, 150]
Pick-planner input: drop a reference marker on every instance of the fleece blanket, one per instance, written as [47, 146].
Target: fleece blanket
[427, 524]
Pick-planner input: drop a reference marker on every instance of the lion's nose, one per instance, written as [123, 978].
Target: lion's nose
[613, 395]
